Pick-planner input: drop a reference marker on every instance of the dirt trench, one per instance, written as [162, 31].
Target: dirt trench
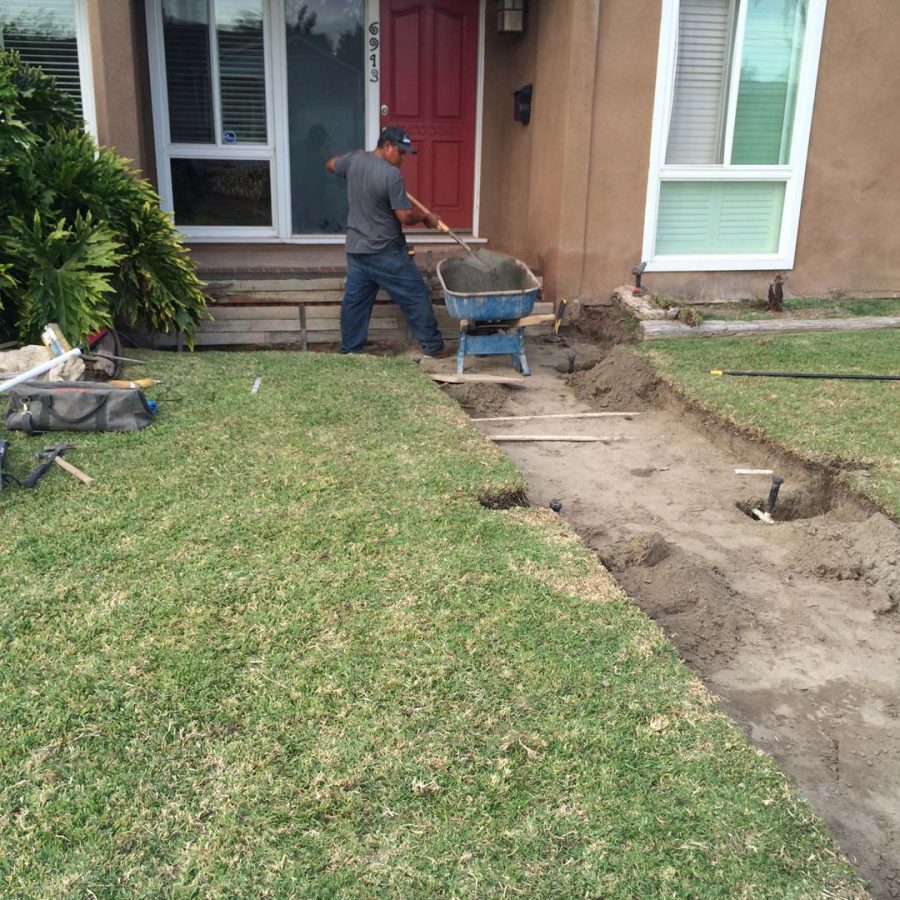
[795, 625]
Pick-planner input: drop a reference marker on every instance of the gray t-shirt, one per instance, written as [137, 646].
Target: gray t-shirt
[375, 189]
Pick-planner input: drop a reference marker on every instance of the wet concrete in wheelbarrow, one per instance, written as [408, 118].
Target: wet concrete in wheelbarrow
[795, 626]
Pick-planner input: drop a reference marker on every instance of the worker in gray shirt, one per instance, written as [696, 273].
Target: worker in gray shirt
[376, 249]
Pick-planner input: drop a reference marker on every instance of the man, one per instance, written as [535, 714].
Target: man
[376, 249]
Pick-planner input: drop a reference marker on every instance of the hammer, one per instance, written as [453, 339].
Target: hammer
[54, 455]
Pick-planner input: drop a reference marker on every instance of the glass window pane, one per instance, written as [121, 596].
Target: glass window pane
[773, 47]
[717, 217]
[44, 35]
[699, 105]
[222, 192]
[326, 106]
[186, 37]
[242, 70]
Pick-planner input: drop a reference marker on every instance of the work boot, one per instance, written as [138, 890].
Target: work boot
[441, 353]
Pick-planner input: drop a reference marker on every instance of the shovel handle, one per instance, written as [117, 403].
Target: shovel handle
[446, 229]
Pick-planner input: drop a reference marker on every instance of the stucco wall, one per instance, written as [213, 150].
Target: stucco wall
[568, 192]
[118, 39]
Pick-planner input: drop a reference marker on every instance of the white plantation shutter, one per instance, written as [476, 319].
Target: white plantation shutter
[44, 34]
[697, 126]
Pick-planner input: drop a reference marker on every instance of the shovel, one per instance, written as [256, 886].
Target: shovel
[481, 259]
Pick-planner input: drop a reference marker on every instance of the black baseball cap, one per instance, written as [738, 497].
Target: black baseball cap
[397, 136]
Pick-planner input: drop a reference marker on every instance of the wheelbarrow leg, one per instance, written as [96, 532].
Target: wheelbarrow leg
[461, 352]
[522, 362]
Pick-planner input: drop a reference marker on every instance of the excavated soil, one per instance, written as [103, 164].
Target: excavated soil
[794, 625]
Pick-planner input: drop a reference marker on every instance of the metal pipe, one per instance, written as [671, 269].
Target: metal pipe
[39, 370]
[805, 375]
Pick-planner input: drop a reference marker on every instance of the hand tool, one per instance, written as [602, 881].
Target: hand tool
[441, 226]
[139, 383]
[48, 454]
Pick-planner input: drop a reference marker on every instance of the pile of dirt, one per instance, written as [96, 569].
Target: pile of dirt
[868, 552]
[622, 382]
[605, 326]
[479, 399]
[692, 602]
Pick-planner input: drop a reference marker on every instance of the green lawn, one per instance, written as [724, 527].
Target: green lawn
[280, 649]
[853, 423]
[802, 307]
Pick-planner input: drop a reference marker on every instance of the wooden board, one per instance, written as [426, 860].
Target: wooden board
[651, 331]
[477, 379]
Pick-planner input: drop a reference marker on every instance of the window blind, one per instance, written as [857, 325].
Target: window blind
[188, 77]
[242, 71]
[697, 126]
[44, 36]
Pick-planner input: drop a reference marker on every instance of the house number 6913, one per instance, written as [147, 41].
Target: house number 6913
[373, 52]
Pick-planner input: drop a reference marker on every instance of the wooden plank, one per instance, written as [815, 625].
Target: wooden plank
[275, 285]
[251, 313]
[477, 379]
[590, 415]
[575, 439]
[233, 325]
[651, 331]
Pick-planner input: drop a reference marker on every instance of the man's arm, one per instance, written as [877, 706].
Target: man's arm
[415, 217]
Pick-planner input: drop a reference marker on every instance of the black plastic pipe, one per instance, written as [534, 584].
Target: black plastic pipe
[805, 375]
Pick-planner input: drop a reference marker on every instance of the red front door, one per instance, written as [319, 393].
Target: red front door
[429, 66]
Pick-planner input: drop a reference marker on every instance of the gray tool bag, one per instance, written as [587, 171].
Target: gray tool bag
[36, 406]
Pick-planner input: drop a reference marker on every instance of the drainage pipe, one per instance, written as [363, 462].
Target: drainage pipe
[39, 370]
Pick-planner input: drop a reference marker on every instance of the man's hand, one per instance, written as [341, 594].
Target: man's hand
[416, 217]
[431, 221]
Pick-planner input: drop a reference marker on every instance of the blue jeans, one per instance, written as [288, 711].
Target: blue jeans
[393, 270]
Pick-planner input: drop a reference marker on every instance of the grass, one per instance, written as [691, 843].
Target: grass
[813, 307]
[852, 423]
[280, 649]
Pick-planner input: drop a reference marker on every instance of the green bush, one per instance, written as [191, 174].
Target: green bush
[83, 241]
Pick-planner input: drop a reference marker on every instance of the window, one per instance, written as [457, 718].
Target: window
[735, 89]
[52, 35]
[212, 107]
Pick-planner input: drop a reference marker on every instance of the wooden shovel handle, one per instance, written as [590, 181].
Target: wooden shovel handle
[440, 225]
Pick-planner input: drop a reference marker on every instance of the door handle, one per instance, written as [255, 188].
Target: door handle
[384, 109]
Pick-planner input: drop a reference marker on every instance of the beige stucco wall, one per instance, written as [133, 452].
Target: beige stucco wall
[568, 191]
[121, 85]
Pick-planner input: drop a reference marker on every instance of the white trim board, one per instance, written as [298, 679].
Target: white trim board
[792, 174]
[276, 150]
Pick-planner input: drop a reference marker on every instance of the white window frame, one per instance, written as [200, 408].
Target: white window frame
[276, 149]
[85, 67]
[166, 150]
[792, 174]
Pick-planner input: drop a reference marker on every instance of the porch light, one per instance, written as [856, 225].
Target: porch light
[511, 15]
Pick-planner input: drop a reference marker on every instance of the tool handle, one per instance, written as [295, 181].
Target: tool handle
[446, 229]
[37, 474]
[139, 383]
[81, 476]
[560, 312]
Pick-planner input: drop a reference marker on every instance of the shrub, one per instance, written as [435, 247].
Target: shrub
[83, 241]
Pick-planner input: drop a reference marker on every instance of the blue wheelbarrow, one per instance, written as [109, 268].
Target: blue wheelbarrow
[490, 294]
